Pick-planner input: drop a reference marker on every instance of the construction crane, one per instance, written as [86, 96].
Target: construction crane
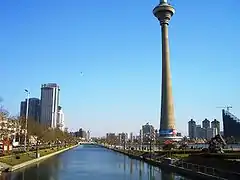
[226, 107]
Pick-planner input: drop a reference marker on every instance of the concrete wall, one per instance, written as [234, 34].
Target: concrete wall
[172, 168]
[27, 163]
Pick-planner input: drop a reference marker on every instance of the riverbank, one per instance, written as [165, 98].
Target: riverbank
[186, 169]
[11, 163]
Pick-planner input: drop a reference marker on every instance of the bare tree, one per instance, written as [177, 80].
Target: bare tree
[3, 124]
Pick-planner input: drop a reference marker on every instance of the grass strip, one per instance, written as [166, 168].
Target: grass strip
[27, 156]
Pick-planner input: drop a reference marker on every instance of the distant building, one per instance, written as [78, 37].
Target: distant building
[49, 104]
[192, 129]
[81, 134]
[112, 138]
[33, 109]
[141, 136]
[138, 139]
[60, 119]
[88, 135]
[23, 108]
[216, 124]
[211, 132]
[10, 129]
[231, 125]
[148, 132]
[205, 124]
[84, 135]
[122, 138]
[131, 137]
[200, 132]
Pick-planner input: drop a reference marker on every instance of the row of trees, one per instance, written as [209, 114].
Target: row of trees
[41, 133]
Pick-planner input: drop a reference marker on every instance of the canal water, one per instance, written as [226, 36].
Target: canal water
[90, 163]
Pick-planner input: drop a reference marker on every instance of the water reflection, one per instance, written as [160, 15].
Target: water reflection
[142, 171]
[167, 176]
[39, 172]
[90, 164]
[131, 166]
[124, 163]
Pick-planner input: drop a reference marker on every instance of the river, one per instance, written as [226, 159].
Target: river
[90, 163]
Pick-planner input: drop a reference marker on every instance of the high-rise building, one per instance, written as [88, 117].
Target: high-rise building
[192, 129]
[112, 138]
[84, 135]
[131, 137]
[60, 119]
[81, 133]
[49, 104]
[206, 123]
[33, 109]
[216, 124]
[163, 12]
[205, 126]
[141, 136]
[148, 132]
[200, 132]
[211, 132]
[88, 135]
[231, 125]
[123, 137]
[23, 108]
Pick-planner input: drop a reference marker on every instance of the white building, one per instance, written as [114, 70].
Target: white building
[60, 119]
[49, 104]
[131, 137]
[88, 136]
[10, 128]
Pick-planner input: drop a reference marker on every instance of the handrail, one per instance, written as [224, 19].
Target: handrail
[205, 169]
[198, 168]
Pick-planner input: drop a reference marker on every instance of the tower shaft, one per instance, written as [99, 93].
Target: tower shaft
[167, 120]
[163, 12]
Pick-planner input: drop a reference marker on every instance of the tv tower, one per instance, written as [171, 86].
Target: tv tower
[163, 12]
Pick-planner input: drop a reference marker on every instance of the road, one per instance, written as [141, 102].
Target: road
[90, 163]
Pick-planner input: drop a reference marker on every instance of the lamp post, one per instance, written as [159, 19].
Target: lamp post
[26, 120]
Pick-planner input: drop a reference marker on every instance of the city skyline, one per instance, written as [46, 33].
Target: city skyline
[121, 62]
[46, 110]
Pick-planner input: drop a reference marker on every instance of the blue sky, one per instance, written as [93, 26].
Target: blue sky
[116, 44]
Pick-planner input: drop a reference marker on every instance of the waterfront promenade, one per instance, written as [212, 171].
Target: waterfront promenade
[90, 162]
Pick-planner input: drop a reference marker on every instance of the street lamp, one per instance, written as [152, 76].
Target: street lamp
[26, 120]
